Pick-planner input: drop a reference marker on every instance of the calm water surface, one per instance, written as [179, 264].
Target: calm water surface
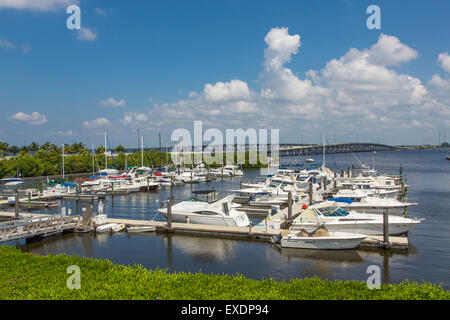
[428, 258]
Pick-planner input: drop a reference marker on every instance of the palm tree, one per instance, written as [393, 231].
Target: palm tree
[49, 146]
[78, 147]
[100, 149]
[33, 147]
[67, 149]
[3, 148]
[120, 148]
[14, 150]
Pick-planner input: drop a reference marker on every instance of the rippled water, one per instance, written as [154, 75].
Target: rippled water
[428, 258]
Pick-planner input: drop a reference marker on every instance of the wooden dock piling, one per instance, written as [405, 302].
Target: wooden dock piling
[17, 205]
[290, 206]
[386, 243]
[169, 215]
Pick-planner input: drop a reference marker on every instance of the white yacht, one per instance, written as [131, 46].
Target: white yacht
[362, 203]
[337, 219]
[265, 199]
[190, 177]
[348, 189]
[229, 170]
[142, 171]
[146, 183]
[218, 212]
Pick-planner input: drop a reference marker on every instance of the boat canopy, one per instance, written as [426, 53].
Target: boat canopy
[345, 200]
[11, 180]
[68, 184]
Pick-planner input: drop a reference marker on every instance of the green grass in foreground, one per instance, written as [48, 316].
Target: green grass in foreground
[28, 276]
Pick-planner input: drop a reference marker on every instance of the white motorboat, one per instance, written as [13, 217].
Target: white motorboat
[348, 189]
[164, 181]
[123, 186]
[278, 188]
[142, 171]
[105, 227]
[106, 173]
[321, 238]
[118, 227]
[265, 199]
[337, 219]
[146, 183]
[218, 212]
[141, 229]
[189, 176]
[373, 204]
[229, 170]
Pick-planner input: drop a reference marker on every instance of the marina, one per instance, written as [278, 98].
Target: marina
[202, 246]
[140, 210]
[282, 200]
[224, 150]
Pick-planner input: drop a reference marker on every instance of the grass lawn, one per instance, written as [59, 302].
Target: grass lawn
[28, 276]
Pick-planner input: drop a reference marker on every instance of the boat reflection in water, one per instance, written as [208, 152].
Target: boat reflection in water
[210, 250]
[330, 256]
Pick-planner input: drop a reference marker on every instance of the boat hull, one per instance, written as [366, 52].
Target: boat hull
[338, 241]
[217, 220]
[370, 228]
[141, 229]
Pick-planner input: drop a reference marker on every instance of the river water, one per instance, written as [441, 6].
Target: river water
[427, 171]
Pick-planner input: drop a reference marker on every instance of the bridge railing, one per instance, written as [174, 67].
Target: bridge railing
[30, 227]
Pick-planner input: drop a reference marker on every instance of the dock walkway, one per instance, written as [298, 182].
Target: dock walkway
[37, 226]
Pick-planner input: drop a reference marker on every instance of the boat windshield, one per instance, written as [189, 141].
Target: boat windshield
[275, 183]
[332, 212]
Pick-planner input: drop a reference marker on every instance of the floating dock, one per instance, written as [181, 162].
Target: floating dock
[267, 230]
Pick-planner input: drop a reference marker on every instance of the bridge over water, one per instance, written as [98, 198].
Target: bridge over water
[299, 150]
[292, 149]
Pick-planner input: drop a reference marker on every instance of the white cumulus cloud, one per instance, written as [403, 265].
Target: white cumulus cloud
[99, 122]
[226, 91]
[130, 118]
[359, 91]
[36, 5]
[86, 34]
[111, 102]
[34, 118]
[444, 60]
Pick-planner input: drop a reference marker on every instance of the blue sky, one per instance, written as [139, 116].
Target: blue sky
[160, 65]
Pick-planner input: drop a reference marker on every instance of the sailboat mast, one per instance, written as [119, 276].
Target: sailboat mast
[142, 150]
[93, 161]
[106, 155]
[160, 161]
[63, 161]
[323, 149]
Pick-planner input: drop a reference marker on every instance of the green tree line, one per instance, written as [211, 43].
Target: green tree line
[46, 160]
